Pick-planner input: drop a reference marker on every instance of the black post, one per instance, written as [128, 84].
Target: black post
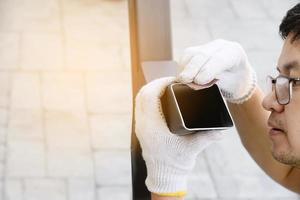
[150, 40]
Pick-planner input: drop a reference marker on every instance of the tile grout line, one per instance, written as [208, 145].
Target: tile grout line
[234, 12]
[211, 175]
[45, 138]
[84, 76]
[67, 183]
[19, 54]
[266, 10]
[23, 188]
[5, 144]
[62, 33]
[186, 9]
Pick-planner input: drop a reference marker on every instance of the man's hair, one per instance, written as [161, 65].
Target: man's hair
[291, 23]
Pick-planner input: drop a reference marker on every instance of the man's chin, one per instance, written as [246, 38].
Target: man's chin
[286, 157]
[280, 147]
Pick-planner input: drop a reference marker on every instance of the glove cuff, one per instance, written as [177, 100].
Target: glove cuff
[250, 90]
[166, 180]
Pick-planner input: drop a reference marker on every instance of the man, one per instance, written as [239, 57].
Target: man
[269, 127]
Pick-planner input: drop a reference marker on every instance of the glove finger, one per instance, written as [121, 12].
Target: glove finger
[226, 81]
[192, 68]
[208, 136]
[205, 76]
[200, 140]
[207, 48]
[148, 105]
[215, 66]
[190, 52]
[155, 88]
[198, 55]
[148, 98]
[186, 57]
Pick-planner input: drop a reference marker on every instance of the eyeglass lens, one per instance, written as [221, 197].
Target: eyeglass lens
[282, 88]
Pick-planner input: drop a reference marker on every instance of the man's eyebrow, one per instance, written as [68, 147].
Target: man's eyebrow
[294, 65]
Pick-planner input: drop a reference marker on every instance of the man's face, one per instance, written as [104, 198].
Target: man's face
[286, 118]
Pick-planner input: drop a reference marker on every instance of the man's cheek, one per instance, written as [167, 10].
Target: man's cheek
[293, 136]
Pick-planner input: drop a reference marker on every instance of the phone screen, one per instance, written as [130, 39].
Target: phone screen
[203, 108]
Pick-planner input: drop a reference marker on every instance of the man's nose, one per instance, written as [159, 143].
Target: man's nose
[270, 103]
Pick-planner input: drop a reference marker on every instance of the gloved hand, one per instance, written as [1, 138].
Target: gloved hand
[169, 157]
[222, 60]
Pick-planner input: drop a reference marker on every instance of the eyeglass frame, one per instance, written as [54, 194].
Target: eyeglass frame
[291, 81]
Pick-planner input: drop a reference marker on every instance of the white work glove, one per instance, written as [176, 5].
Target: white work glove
[223, 60]
[169, 157]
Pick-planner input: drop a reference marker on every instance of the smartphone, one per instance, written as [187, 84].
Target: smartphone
[188, 111]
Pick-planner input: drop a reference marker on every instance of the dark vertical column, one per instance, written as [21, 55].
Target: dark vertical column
[150, 40]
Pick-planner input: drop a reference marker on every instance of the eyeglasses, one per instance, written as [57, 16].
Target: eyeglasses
[283, 87]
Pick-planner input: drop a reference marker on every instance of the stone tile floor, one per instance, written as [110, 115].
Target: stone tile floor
[65, 100]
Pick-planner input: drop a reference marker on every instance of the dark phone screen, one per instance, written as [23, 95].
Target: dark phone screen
[202, 108]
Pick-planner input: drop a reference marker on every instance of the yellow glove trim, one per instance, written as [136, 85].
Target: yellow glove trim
[174, 194]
